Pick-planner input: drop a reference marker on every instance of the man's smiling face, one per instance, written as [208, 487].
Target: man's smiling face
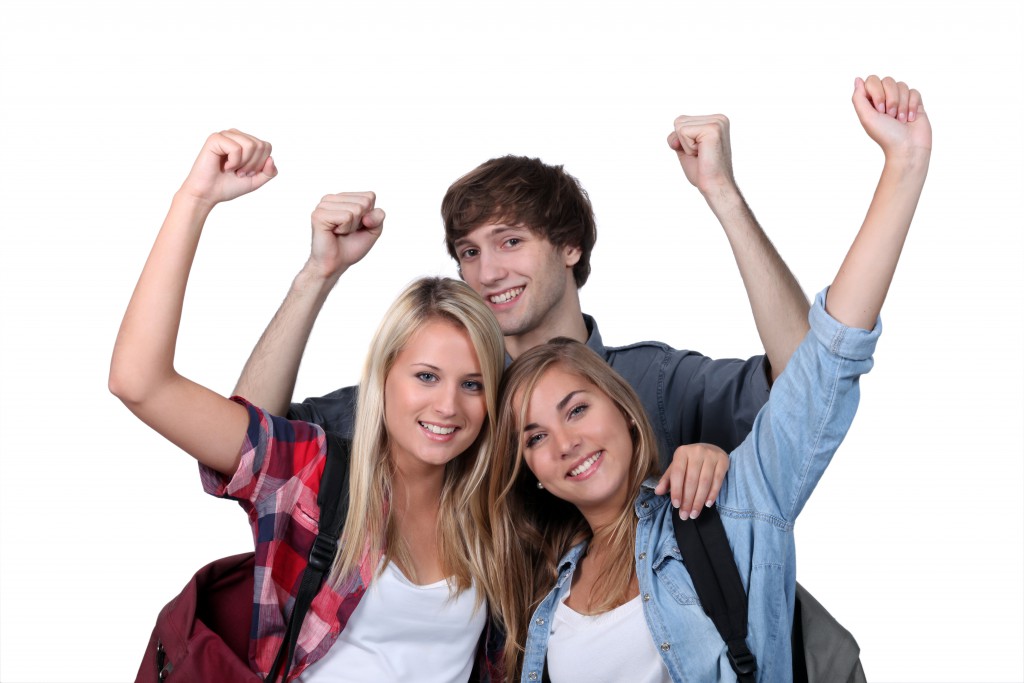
[523, 278]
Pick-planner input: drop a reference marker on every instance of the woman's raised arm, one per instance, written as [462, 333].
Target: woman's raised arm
[894, 117]
[204, 424]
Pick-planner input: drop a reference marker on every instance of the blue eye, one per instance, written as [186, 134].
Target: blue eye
[473, 385]
[578, 410]
[534, 439]
[426, 376]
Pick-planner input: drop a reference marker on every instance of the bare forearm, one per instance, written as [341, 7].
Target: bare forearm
[862, 283]
[142, 373]
[776, 299]
[268, 378]
[144, 351]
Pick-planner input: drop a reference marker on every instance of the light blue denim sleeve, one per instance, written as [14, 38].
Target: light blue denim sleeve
[808, 414]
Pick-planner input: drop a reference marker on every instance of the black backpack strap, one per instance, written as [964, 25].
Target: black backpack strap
[333, 502]
[708, 558]
[797, 640]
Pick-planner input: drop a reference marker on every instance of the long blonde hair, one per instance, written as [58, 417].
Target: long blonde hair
[530, 529]
[370, 526]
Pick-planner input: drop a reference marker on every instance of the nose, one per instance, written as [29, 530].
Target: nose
[492, 270]
[567, 440]
[445, 400]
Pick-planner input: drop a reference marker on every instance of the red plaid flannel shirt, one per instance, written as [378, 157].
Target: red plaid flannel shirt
[277, 483]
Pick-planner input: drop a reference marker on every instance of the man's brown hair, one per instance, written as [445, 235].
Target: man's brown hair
[524, 192]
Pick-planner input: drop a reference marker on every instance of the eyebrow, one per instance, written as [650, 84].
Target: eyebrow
[437, 369]
[499, 230]
[560, 406]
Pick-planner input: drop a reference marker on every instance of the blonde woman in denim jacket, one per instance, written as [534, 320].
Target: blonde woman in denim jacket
[587, 547]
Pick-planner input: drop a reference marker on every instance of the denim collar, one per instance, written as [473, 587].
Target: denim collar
[647, 504]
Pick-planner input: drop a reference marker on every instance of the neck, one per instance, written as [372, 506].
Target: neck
[564, 320]
[419, 491]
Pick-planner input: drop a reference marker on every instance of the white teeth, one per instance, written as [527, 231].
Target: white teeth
[436, 429]
[505, 297]
[585, 465]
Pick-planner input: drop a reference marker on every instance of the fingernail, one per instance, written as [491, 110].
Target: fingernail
[902, 116]
[694, 513]
[709, 503]
[911, 116]
[683, 516]
[880, 107]
[892, 111]
[675, 503]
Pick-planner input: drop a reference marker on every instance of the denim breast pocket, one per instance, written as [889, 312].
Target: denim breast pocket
[671, 574]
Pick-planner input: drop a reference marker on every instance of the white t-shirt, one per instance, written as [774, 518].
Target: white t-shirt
[615, 646]
[404, 632]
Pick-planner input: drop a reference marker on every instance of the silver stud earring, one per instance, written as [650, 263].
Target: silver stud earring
[540, 485]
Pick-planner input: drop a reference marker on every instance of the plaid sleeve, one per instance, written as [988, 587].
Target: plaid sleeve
[274, 450]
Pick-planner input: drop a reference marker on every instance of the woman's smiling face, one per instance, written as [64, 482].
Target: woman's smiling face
[577, 442]
[434, 404]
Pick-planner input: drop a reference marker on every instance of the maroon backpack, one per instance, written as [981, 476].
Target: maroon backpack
[203, 633]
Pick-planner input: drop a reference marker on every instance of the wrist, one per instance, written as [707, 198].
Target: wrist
[909, 163]
[187, 201]
[316, 278]
[722, 195]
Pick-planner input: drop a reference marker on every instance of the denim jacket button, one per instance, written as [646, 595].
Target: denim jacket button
[643, 556]
[665, 647]
[647, 597]
[645, 505]
[533, 675]
[540, 621]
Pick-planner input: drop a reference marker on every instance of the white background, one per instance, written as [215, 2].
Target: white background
[914, 538]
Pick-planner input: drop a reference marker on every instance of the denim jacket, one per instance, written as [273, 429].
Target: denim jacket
[771, 476]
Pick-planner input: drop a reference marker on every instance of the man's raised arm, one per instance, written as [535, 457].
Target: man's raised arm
[345, 228]
[779, 305]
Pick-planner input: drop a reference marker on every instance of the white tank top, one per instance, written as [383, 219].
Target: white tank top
[615, 646]
[400, 631]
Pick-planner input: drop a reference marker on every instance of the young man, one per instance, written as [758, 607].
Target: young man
[522, 233]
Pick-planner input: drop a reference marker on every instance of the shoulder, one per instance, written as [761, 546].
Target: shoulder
[275, 451]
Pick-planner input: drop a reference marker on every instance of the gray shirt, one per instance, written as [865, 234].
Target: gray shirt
[689, 397]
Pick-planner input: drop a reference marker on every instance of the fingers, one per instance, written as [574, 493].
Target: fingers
[374, 219]
[915, 105]
[265, 174]
[673, 141]
[672, 481]
[875, 93]
[695, 489]
[346, 212]
[694, 478]
[903, 101]
[691, 131]
[243, 154]
[890, 97]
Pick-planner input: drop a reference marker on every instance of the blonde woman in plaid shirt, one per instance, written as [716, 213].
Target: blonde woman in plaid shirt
[401, 598]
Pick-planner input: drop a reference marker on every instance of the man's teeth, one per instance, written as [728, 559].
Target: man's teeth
[436, 429]
[506, 296]
[585, 465]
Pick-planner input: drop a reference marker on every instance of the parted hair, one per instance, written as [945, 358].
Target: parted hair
[526, 192]
[370, 526]
[530, 528]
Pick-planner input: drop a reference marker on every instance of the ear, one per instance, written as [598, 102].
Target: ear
[571, 255]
